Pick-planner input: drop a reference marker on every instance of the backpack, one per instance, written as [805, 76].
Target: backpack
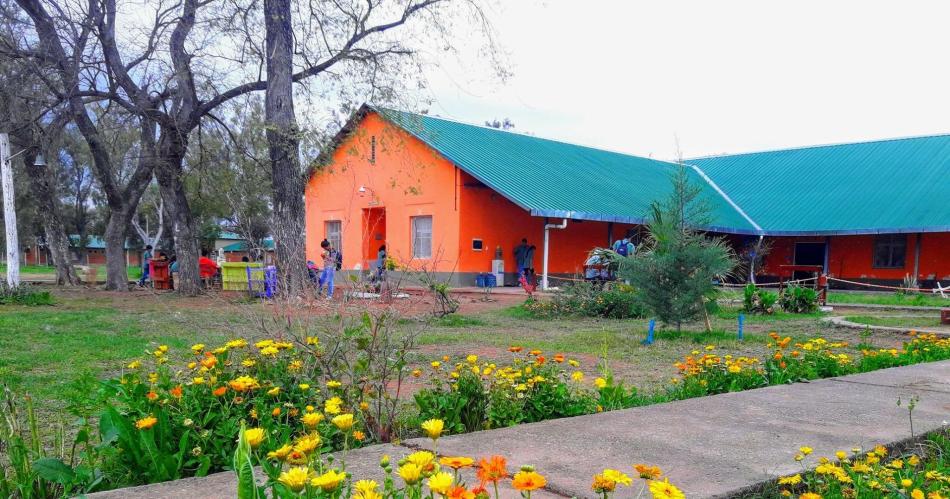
[338, 258]
[622, 249]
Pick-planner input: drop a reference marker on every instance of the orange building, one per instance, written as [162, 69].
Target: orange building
[454, 198]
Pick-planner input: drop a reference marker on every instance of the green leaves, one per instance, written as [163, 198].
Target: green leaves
[54, 470]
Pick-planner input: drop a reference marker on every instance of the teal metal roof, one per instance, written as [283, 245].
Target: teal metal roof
[886, 186]
[92, 242]
[242, 246]
[557, 179]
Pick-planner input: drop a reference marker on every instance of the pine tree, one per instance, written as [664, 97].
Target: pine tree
[674, 269]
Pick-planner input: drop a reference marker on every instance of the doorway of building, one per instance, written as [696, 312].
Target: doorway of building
[374, 234]
[808, 254]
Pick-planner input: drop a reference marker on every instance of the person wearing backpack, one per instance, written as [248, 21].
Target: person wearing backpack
[332, 261]
[624, 247]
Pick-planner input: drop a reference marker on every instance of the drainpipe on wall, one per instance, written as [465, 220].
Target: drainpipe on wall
[544, 266]
[917, 258]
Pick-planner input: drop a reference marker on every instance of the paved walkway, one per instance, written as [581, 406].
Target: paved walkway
[710, 447]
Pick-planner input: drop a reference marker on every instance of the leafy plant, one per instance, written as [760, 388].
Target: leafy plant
[799, 300]
[758, 301]
[24, 295]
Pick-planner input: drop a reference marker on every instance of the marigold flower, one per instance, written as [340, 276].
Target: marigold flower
[364, 406]
[151, 395]
[275, 412]
[295, 478]
[146, 422]
[433, 428]
[457, 462]
[280, 453]
[237, 343]
[600, 382]
[307, 443]
[665, 490]
[460, 492]
[219, 391]
[176, 392]
[410, 473]
[334, 384]
[617, 476]
[344, 422]
[515, 349]
[135, 364]
[602, 484]
[303, 386]
[809, 495]
[416, 373]
[805, 450]
[559, 358]
[333, 405]
[296, 457]
[906, 483]
[243, 384]
[359, 436]
[329, 481]
[254, 436]
[528, 480]
[648, 472]
[441, 482]
[209, 361]
[311, 419]
[790, 480]
[363, 487]
[917, 494]
[471, 359]
[295, 365]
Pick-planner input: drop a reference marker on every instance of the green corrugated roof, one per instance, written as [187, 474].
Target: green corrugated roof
[242, 246]
[557, 179]
[898, 185]
[92, 242]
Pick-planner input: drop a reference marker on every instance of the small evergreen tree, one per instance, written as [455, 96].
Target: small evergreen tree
[674, 269]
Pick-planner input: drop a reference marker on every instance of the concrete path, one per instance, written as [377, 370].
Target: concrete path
[842, 322]
[710, 447]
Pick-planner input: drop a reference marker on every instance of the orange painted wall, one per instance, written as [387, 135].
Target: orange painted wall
[407, 178]
[851, 257]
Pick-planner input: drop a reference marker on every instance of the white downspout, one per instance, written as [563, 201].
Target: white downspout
[547, 237]
[758, 247]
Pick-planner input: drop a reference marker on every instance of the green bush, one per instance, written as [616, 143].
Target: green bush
[586, 299]
[758, 301]
[24, 295]
[799, 300]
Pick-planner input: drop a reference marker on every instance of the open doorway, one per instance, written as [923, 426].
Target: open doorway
[374, 234]
[808, 254]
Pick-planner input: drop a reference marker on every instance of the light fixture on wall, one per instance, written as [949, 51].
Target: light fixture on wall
[362, 190]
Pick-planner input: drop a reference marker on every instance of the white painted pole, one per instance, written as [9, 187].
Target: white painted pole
[9, 213]
[547, 236]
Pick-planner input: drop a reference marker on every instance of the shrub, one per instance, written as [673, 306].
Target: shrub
[758, 301]
[24, 295]
[799, 300]
[475, 395]
[586, 299]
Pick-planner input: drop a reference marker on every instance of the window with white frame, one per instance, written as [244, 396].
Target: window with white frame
[334, 233]
[422, 237]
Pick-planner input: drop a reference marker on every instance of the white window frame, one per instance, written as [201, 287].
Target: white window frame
[335, 237]
[421, 240]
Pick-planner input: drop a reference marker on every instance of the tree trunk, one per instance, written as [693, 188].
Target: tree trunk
[53, 227]
[169, 171]
[117, 271]
[287, 181]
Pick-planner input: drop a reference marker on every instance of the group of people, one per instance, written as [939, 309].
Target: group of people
[207, 267]
[524, 260]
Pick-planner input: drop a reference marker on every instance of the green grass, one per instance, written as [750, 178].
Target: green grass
[732, 313]
[917, 300]
[134, 271]
[456, 320]
[909, 321]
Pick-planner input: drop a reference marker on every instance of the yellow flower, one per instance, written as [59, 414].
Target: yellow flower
[307, 443]
[600, 382]
[472, 359]
[577, 376]
[906, 483]
[841, 455]
[273, 392]
[238, 343]
[328, 481]
[311, 419]
[281, 453]
[790, 480]
[198, 347]
[573, 363]
[333, 405]
[805, 450]
[436, 364]
[344, 422]
[735, 369]
[410, 473]
[422, 459]
[254, 436]
[528, 481]
[457, 462]
[313, 340]
[198, 381]
[304, 386]
[295, 365]
[809, 495]
[135, 364]
[440, 483]
[433, 428]
[146, 422]
[243, 384]
[365, 487]
[248, 362]
[334, 384]
[617, 476]
[666, 490]
[295, 478]
[917, 494]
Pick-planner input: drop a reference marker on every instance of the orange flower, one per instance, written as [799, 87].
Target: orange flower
[460, 492]
[778, 356]
[146, 422]
[492, 469]
[219, 391]
[535, 352]
[539, 360]
[151, 395]
[275, 412]
[559, 358]
[648, 472]
[209, 361]
[176, 392]
[528, 480]
[515, 349]
[359, 436]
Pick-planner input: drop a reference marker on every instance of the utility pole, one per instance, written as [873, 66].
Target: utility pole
[9, 213]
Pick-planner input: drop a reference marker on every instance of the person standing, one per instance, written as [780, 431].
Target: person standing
[329, 268]
[520, 252]
[529, 264]
[146, 258]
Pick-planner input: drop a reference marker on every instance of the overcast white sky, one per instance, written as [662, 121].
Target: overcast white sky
[721, 76]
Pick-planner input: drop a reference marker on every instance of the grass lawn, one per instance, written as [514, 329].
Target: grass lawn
[134, 271]
[917, 300]
[93, 334]
[896, 321]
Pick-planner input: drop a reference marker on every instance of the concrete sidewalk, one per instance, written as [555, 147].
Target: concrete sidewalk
[714, 446]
